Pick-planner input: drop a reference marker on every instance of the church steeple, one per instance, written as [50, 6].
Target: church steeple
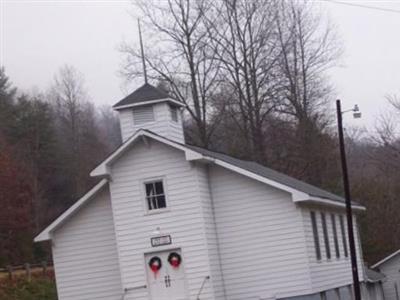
[150, 108]
[153, 109]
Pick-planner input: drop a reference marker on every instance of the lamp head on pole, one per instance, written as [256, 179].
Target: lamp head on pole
[356, 112]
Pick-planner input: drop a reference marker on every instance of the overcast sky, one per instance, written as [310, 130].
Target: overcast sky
[37, 37]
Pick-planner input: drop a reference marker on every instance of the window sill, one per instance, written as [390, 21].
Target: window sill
[156, 211]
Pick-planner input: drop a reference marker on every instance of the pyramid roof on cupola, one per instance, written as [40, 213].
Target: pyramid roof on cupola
[145, 95]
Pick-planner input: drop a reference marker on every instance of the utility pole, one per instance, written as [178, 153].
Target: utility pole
[346, 185]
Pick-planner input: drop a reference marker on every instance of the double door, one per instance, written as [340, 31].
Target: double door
[165, 275]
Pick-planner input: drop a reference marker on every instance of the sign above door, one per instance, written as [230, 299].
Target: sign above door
[161, 240]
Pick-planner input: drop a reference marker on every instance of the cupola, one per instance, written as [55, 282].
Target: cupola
[150, 108]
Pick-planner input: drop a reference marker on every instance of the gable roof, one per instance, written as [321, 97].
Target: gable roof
[46, 233]
[387, 258]
[270, 173]
[299, 190]
[146, 94]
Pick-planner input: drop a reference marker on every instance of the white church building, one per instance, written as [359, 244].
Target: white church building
[171, 221]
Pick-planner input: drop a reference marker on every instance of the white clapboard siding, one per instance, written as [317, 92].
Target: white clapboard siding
[85, 254]
[334, 272]
[162, 123]
[183, 219]
[261, 239]
[391, 269]
[211, 233]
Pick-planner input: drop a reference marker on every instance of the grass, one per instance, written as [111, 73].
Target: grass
[39, 288]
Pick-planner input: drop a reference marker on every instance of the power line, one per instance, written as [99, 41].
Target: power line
[365, 6]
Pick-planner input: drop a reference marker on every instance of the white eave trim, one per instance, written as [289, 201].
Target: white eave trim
[104, 170]
[324, 201]
[178, 103]
[386, 259]
[45, 235]
[296, 194]
[192, 155]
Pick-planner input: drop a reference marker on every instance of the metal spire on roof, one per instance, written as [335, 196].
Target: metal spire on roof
[142, 53]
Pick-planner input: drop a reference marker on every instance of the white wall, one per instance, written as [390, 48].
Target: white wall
[391, 269]
[262, 245]
[334, 272]
[183, 220]
[85, 255]
[211, 232]
[162, 125]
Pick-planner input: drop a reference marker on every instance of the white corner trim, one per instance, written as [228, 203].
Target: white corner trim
[386, 259]
[178, 103]
[45, 235]
[100, 170]
[192, 155]
[329, 202]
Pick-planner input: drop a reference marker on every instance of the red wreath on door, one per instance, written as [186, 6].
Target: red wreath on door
[174, 260]
[155, 264]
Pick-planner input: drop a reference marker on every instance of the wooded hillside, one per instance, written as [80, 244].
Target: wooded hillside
[48, 144]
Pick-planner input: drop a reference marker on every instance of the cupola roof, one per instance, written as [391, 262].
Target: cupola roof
[146, 94]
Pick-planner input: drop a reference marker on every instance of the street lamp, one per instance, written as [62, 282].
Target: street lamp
[346, 185]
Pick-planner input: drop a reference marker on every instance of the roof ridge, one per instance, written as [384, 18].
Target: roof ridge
[144, 93]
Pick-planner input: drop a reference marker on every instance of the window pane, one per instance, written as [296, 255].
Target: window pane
[326, 237]
[335, 237]
[159, 188]
[151, 203]
[315, 233]
[344, 238]
[161, 202]
[150, 189]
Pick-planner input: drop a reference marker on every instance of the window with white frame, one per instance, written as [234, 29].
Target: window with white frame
[174, 113]
[155, 195]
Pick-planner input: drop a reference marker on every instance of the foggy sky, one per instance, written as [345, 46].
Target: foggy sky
[37, 37]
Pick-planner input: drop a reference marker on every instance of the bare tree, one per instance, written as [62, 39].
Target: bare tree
[180, 57]
[109, 128]
[388, 137]
[77, 128]
[376, 182]
[308, 48]
[243, 37]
